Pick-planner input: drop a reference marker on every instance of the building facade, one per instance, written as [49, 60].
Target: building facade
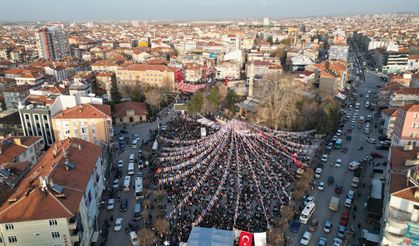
[52, 43]
[406, 127]
[63, 191]
[90, 122]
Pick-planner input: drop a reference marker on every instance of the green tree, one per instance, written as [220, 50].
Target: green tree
[214, 97]
[231, 99]
[196, 103]
[137, 95]
[115, 94]
[286, 41]
[270, 39]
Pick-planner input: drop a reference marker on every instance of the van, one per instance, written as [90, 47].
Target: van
[137, 211]
[307, 212]
[127, 182]
[131, 168]
[134, 144]
[131, 158]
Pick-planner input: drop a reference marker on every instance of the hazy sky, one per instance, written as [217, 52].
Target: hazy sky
[69, 10]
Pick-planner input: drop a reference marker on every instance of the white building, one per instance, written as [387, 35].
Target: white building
[57, 202]
[230, 70]
[266, 21]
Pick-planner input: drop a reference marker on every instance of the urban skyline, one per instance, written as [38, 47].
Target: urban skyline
[189, 10]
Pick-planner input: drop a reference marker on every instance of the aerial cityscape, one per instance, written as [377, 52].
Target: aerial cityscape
[209, 123]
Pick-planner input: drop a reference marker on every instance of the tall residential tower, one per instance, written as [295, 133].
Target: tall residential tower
[52, 43]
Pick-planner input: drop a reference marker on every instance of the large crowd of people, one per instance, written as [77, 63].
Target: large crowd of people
[236, 177]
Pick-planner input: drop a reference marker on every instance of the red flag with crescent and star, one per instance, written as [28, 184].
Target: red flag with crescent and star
[246, 238]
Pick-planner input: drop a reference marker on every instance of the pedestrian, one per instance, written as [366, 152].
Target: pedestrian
[359, 225]
[355, 208]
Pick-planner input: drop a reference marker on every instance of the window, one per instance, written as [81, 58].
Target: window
[415, 115]
[53, 222]
[67, 132]
[37, 234]
[36, 117]
[413, 125]
[93, 131]
[45, 117]
[12, 239]
[55, 234]
[9, 227]
[84, 130]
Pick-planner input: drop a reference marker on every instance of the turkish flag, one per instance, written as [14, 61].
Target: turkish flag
[246, 238]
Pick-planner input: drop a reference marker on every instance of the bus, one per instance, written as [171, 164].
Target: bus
[139, 188]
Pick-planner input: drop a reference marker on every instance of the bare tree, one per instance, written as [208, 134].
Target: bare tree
[162, 226]
[146, 237]
[145, 214]
[154, 97]
[275, 237]
[280, 96]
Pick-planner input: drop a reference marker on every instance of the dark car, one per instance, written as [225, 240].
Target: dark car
[344, 218]
[331, 180]
[382, 138]
[338, 189]
[382, 147]
[123, 205]
[295, 225]
[313, 225]
[376, 155]
[123, 131]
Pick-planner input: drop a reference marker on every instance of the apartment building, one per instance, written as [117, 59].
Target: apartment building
[401, 203]
[20, 149]
[57, 202]
[52, 43]
[228, 70]
[404, 96]
[104, 66]
[15, 95]
[90, 122]
[406, 127]
[389, 116]
[146, 75]
[397, 61]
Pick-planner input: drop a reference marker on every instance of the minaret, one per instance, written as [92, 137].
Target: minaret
[251, 77]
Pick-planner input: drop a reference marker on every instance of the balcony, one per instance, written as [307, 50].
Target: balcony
[393, 239]
[75, 238]
[72, 226]
[398, 215]
[395, 228]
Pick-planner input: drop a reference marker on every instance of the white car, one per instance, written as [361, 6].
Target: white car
[350, 194]
[338, 163]
[111, 204]
[324, 158]
[134, 239]
[118, 224]
[137, 137]
[337, 242]
[115, 183]
[308, 200]
[348, 202]
[354, 165]
[306, 238]
[339, 132]
[317, 173]
[371, 140]
[120, 163]
[321, 186]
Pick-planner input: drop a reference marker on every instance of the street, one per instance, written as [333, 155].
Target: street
[343, 176]
[143, 130]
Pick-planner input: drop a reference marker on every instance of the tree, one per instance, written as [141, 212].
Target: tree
[196, 103]
[146, 237]
[115, 94]
[214, 96]
[154, 97]
[286, 41]
[137, 95]
[231, 99]
[275, 236]
[278, 106]
[162, 226]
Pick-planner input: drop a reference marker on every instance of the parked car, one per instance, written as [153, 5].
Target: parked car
[305, 239]
[111, 204]
[353, 165]
[324, 158]
[308, 200]
[344, 218]
[133, 238]
[338, 189]
[338, 163]
[321, 186]
[322, 242]
[118, 224]
[337, 242]
[123, 205]
[295, 225]
[331, 180]
[350, 194]
[341, 231]
[348, 202]
[313, 225]
[327, 226]
[115, 183]
[376, 155]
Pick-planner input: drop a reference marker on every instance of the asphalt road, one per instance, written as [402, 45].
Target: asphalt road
[143, 130]
[343, 176]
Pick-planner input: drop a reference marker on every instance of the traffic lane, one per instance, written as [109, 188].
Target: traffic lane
[121, 237]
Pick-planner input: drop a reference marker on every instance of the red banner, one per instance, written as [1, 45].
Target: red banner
[246, 238]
